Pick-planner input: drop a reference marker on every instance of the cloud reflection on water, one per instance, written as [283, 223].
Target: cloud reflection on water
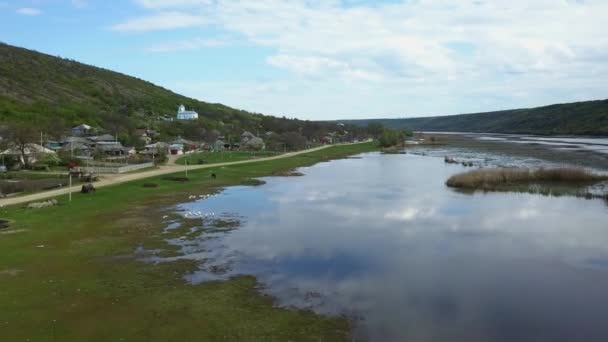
[383, 239]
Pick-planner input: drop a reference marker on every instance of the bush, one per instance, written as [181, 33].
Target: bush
[490, 178]
[50, 159]
[177, 178]
[40, 167]
[161, 158]
[391, 137]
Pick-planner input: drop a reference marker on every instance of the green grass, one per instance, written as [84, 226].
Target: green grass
[85, 285]
[31, 175]
[221, 157]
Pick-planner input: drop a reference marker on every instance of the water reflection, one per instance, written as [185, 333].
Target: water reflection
[383, 240]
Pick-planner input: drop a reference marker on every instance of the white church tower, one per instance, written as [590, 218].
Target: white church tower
[183, 114]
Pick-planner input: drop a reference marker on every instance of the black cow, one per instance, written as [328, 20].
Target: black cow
[87, 188]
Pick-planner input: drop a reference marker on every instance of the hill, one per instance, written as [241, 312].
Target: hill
[57, 93]
[580, 118]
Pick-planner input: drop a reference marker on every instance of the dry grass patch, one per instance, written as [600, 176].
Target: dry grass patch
[491, 178]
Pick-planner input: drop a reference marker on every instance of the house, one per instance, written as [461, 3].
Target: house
[76, 149]
[53, 145]
[187, 145]
[183, 114]
[82, 130]
[103, 138]
[32, 153]
[115, 149]
[71, 140]
[176, 149]
[146, 135]
[156, 149]
[326, 140]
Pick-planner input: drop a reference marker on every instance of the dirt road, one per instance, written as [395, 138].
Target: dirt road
[118, 179]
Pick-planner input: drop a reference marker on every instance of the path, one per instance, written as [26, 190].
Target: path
[163, 170]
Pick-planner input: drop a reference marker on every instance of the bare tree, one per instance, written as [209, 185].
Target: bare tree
[20, 136]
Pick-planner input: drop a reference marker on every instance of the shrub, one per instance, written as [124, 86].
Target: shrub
[177, 178]
[489, 178]
[40, 167]
[50, 159]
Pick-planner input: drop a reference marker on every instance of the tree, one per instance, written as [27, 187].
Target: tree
[211, 136]
[293, 141]
[254, 144]
[391, 137]
[21, 135]
[375, 129]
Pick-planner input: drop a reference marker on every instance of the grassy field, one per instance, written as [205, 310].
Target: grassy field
[222, 157]
[69, 273]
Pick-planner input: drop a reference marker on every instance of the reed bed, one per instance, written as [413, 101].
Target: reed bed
[489, 179]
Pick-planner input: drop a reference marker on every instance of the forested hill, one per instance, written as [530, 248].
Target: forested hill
[56, 93]
[39, 85]
[580, 118]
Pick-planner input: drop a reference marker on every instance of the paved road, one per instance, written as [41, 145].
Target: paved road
[163, 170]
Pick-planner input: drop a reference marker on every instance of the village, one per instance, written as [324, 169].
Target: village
[87, 152]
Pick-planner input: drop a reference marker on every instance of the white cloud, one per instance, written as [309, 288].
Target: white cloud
[188, 45]
[321, 66]
[80, 3]
[30, 11]
[163, 4]
[160, 21]
[539, 49]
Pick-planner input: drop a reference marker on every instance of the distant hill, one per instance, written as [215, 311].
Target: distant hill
[580, 118]
[55, 93]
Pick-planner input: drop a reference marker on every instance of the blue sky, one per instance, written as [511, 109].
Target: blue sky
[335, 59]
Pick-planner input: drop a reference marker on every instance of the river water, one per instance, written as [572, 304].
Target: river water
[382, 240]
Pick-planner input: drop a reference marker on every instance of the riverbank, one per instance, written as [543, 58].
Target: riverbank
[490, 144]
[70, 272]
[128, 177]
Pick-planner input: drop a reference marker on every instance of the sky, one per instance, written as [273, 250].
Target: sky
[335, 59]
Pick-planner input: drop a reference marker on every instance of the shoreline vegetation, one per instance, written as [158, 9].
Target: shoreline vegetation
[70, 272]
[556, 181]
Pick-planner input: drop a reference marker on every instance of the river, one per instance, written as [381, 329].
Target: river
[382, 240]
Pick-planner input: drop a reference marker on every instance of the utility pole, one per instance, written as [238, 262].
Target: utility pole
[186, 165]
[70, 188]
[41, 146]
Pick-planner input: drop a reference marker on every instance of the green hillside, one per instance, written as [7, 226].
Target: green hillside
[56, 93]
[580, 118]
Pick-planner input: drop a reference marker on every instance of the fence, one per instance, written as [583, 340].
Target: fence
[121, 168]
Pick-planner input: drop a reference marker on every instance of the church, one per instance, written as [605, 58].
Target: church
[183, 114]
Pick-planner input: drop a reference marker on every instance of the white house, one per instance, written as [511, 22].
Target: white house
[183, 114]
